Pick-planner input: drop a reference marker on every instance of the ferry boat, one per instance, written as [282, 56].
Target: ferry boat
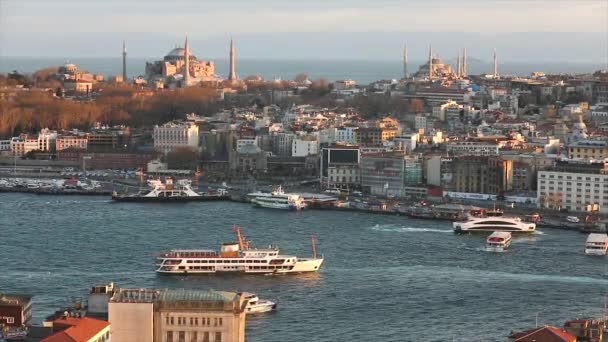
[494, 222]
[180, 191]
[236, 257]
[277, 199]
[597, 244]
[498, 242]
[257, 305]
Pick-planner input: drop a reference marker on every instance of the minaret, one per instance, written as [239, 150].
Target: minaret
[431, 71]
[124, 61]
[465, 72]
[187, 64]
[458, 66]
[495, 74]
[232, 74]
[405, 75]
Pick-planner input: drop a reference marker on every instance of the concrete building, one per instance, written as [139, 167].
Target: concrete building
[340, 167]
[420, 122]
[473, 148]
[346, 135]
[64, 142]
[146, 315]
[388, 174]
[249, 159]
[406, 142]
[588, 149]
[576, 185]
[171, 136]
[482, 174]
[282, 144]
[305, 146]
[344, 84]
[375, 136]
[46, 140]
[23, 144]
[5, 147]
[440, 111]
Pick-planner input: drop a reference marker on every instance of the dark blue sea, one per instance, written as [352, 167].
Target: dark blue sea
[362, 71]
[385, 278]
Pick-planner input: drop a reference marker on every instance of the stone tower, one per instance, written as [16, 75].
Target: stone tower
[405, 75]
[124, 61]
[431, 71]
[186, 63]
[465, 72]
[495, 73]
[232, 74]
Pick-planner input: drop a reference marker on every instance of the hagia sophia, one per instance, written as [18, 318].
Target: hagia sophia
[177, 71]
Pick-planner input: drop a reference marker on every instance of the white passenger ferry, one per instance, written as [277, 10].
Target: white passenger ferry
[169, 191]
[236, 257]
[277, 199]
[597, 244]
[498, 242]
[494, 222]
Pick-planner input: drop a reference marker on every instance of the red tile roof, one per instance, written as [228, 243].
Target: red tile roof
[543, 334]
[81, 330]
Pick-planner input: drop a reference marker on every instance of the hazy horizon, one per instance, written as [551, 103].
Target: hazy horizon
[520, 30]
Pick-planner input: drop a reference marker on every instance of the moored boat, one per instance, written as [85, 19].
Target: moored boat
[277, 199]
[498, 242]
[180, 191]
[236, 257]
[596, 244]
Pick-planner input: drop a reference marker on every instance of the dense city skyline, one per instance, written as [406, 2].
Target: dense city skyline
[520, 30]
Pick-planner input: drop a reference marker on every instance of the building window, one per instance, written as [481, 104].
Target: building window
[169, 336]
[172, 321]
[182, 336]
[194, 336]
[221, 321]
[218, 337]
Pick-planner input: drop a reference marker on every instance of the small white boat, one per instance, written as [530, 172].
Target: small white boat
[257, 305]
[573, 219]
[597, 244]
[498, 242]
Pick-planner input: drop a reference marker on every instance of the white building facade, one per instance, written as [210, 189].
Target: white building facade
[304, 146]
[171, 136]
[584, 191]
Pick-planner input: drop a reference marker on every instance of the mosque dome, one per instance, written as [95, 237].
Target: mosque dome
[178, 53]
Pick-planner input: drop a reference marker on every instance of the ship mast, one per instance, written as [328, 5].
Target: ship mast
[243, 245]
[313, 240]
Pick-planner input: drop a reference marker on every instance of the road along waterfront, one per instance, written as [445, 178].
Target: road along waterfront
[388, 278]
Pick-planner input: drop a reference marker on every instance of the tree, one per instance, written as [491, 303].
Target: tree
[183, 158]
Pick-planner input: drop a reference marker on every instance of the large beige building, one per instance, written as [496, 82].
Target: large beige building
[173, 135]
[146, 315]
[576, 185]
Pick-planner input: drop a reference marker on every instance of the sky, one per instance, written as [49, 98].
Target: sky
[521, 30]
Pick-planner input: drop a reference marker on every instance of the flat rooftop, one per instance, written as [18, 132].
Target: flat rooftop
[7, 299]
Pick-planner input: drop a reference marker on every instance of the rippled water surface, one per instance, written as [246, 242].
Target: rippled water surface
[385, 278]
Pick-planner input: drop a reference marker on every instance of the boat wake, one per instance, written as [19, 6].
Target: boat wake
[391, 228]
